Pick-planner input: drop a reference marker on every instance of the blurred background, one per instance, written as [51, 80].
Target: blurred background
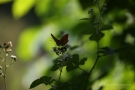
[29, 23]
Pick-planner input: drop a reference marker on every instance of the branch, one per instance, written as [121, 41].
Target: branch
[90, 72]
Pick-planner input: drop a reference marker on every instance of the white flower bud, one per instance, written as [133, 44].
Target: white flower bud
[14, 57]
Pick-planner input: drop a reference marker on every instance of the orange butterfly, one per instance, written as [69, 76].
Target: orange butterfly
[62, 41]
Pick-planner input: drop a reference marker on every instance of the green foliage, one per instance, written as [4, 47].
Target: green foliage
[75, 84]
[83, 28]
[106, 27]
[27, 37]
[85, 19]
[106, 61]
[82, 61]
[20, 10]
[72, 63]
[106, 51]
[5, 1]
[95, 38]
[65, 86]
[74, 47]
[43, 80]
[93, 27]
[55, 66]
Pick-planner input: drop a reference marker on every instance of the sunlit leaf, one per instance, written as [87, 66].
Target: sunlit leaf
[96, 37]
[26, 43]
[42, 7]
[106, 27]
[21, 7]
[82, 61]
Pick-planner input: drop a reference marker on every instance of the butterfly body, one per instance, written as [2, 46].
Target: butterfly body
[63, 41]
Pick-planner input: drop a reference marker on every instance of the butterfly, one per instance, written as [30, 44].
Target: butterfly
[62, 41]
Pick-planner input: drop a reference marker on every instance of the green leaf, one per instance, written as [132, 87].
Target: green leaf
[87, 30]
[70, 67]
[35, 83]
[106, 27]
[51, 81]
[102, 52]
[106, 51]
[5, 1]
[73, 63]
[85, 19]
[22, 7]
[64, 86]
[27, 40]
[94, 36]
[42, 8]
[55, 66]
[82, 61]
[74, 59]
[84, 28]
[45, 79]
[74, 47]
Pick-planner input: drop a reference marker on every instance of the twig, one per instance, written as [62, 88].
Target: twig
[82, 70]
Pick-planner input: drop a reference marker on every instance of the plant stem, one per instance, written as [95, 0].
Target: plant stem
[98, 35]
[90, 73]
[5, 80]
[60, 72]
[98, 26]
[54, 87]
[82, 70]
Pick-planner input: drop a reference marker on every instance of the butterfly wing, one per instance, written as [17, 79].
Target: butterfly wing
[55, 39]
[63, 40]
